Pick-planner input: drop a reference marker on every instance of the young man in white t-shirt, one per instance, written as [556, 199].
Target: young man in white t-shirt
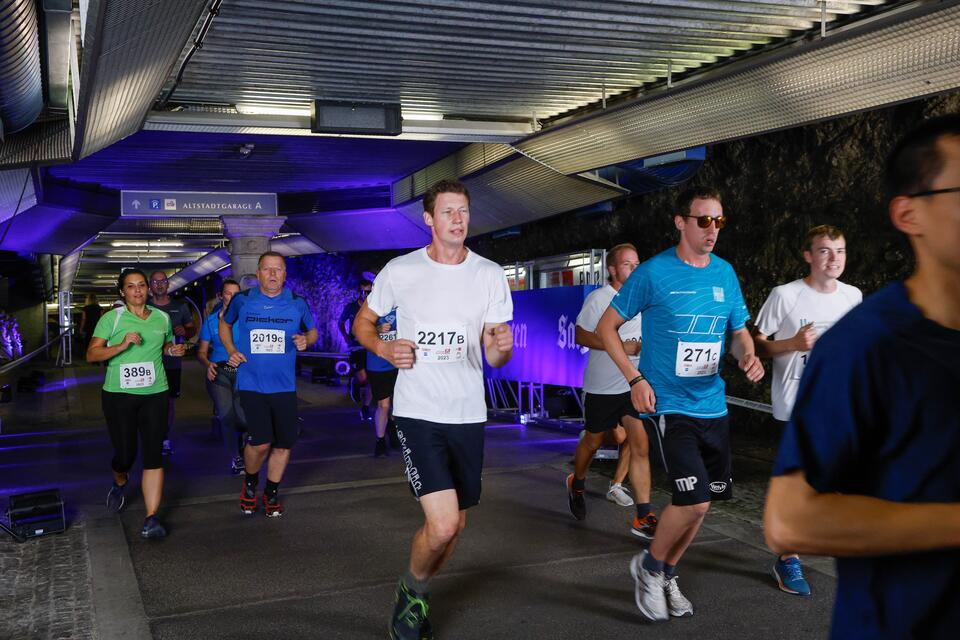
[793, 317]
[452, 308]
[607, 402]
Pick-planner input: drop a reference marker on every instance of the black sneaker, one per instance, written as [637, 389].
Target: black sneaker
[578, 505]
[380, 448]
[364, 413]
[237, 467]
[152, 528]
[409, 620]
[115, 498]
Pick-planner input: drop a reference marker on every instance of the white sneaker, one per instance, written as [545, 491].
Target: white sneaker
[619, 494]
[650, 590]
[677, 603]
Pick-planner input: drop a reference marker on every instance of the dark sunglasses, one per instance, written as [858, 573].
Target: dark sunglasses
[705, 221]
[933, 192]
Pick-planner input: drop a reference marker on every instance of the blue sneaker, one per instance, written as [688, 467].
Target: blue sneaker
[789, 575]
[152, 528]
[115, 498]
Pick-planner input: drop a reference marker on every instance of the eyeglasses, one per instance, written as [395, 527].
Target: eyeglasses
[705, 221]
[932, 192]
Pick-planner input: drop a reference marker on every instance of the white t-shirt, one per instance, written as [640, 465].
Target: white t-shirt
[602, 375]
[789, 307]
[442, 308]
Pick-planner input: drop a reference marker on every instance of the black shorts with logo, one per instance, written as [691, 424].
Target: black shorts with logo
[696, 452]
[382, 383]
[358, 359]
[271, 418]
[443, 456]
[602, 411]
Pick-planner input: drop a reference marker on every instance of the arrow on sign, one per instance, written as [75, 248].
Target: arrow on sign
[136, 204]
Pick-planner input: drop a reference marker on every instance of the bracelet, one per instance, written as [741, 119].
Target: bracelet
[639, 378]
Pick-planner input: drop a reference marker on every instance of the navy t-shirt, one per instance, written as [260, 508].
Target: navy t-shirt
[350, 312]
[265, 327]
[876, 415]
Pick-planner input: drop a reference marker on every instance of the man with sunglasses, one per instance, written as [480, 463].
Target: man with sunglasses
[183, 329]
[690, 301]
[867, 468]
[359, 389]
[788, 325]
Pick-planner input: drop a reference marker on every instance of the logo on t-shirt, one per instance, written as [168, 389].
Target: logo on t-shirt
[718, 294]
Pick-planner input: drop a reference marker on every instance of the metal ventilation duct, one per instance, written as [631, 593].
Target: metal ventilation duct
[129, 48]
[903, 56]
[16, 188]
[21, 84]
[43, 142]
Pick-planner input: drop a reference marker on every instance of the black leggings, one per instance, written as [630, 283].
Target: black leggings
[129, 415]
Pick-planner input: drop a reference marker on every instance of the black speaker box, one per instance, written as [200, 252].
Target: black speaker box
[36, 514]
[356, 118]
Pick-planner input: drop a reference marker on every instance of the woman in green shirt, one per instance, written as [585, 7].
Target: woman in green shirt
[133, 339]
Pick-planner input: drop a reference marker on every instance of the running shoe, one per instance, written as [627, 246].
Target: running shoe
[272, 507]
[619, 494]
[578, 505]
[789, 575]
[167, 449]
[248, 501]
[237, 466]
[364, 413]
[152, 528]
[409, 620]
[115, 498]
[645, 527]
[649, 589]
[380, 448]
[677, 604]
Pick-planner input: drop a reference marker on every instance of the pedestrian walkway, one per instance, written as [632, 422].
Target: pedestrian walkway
[328, 568]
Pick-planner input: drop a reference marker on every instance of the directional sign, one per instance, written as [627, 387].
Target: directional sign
[196, 204]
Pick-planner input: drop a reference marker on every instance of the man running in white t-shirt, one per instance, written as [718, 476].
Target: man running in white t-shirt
[607, 402]
[452, 308]
[793, 317]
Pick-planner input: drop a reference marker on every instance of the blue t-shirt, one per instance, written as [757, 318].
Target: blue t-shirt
[350, 312]
[687, 312]
[264, 327]
[375, 362]
[210, 331]
[876, 415]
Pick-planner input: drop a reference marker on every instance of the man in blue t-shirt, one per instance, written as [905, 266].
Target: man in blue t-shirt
[868, 464]
[690, 300]
[383, 378]
[360, 390]
[274, 323]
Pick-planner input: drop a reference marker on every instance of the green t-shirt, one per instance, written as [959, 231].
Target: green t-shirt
[137, 369]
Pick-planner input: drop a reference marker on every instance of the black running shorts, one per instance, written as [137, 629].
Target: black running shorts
[443, 456]
[358, 359]
[382, 383]
[696, 452]
[173, 381]
[604, 411]
[131, 417]
[271, 418]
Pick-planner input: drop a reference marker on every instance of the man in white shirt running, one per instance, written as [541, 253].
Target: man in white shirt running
[452, 307]
[793, 317]
[607, 402]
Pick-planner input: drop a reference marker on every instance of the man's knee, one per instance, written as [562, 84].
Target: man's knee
[694, 512]
[591, 441]
[441, 530]
[259, 448]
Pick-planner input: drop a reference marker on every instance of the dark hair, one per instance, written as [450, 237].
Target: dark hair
[689, 194]
[443, 186]
[915, 161]
[828, 230]
[223, 285]
[129, 272]
[364, 282]
[270, 254]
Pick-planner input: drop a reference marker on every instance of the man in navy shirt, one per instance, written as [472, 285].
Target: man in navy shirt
[869, 464]
[274, 323]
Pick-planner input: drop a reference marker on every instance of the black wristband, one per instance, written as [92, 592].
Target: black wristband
[637, 379]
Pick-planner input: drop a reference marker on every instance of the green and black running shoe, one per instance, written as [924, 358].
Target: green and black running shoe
[410, 616]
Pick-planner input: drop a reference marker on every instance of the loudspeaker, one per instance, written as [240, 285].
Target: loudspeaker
[36, 514]
[358, 118]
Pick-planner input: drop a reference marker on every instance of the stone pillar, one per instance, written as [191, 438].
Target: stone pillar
[249, 238]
